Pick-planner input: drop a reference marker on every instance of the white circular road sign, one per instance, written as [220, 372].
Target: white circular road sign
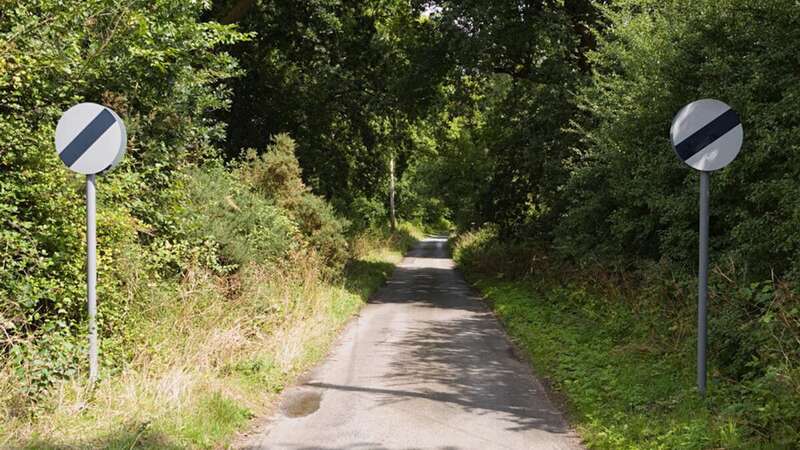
[707, 134]
[90, 138]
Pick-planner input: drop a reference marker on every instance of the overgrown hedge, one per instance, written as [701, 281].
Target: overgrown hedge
[580, 156]
[131, 57]
[171, 205]
[629, 196]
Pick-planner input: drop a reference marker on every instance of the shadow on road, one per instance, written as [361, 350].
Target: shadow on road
[433, 247]
[473, 360]
[427, 361]
[466, 357]
[467, 360]
[353, 446]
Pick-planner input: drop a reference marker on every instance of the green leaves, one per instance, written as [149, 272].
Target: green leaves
[347, 80]
[158, 66]
[652, 59]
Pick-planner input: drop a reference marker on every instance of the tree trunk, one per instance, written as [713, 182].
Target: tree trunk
[392, 215]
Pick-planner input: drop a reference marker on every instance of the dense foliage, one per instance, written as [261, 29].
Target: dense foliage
[640, 200]
[581, 158]
[545, 120]
[131, 57]
[170, 206]
[348, 80]
[277, 175]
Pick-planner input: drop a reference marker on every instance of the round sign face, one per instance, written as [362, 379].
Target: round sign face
[707, 134]
[90, 138]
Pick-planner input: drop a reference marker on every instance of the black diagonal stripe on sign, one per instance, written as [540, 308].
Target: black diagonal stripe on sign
[712, 131]
[87, 137]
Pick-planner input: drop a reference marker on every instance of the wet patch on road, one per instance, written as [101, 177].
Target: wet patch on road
[300, 402]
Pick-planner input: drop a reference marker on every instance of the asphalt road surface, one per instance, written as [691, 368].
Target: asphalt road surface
[424, 366]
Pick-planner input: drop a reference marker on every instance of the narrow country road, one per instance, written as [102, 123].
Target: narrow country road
[424, 366]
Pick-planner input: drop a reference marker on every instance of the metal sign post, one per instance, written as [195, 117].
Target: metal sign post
[707, 135]
[91, 139]
[91, 273]
[702, 282]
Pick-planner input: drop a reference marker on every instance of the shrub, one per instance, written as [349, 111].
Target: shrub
[366, 213]
[130, 57]
[247, 227]
[277, 175]
[629, 195]
[483, 252]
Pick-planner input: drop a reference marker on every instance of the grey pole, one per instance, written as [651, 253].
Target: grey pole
[702, 284]
[91, 274]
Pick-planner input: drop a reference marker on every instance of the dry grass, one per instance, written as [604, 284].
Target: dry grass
[233, 342]
[383, 245]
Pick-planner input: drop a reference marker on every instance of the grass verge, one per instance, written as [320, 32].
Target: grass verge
[210, 354]
[622, 356]
[624, 394]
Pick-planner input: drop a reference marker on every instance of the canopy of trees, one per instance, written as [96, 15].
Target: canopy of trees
[546, 119]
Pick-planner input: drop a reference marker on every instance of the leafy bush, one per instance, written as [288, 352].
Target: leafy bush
[247, 227]
[277, 175]
[366, 213]
[322, 228]
[482, 252]
[169, 209]
[629, 195]
[130, 57]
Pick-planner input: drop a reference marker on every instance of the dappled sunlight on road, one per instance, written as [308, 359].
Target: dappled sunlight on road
[426, 365]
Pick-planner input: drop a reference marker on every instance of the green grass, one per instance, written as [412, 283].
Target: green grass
[623, 389]
[364, 277]
[214, 419]
[619, 347]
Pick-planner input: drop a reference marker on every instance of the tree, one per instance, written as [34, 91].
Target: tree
[527, 58]
[333, 74]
